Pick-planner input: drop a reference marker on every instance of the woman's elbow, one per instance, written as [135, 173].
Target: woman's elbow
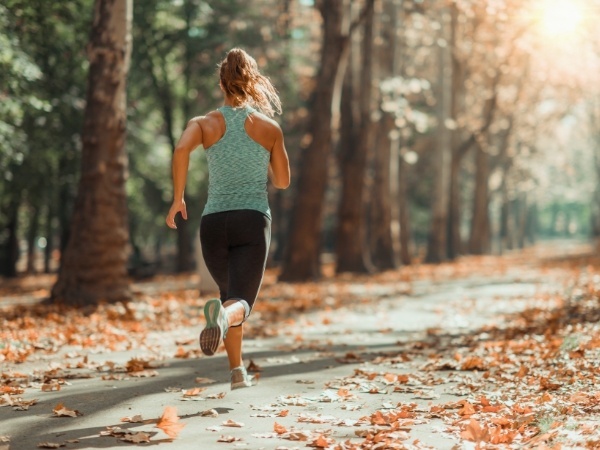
[282, 184]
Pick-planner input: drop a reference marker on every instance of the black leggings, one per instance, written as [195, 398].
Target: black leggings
[235, 245]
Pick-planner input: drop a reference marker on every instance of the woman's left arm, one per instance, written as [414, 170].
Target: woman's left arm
[190, 139]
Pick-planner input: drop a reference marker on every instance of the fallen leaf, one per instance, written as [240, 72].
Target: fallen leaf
[209, 413]
[169, 422]
[133, 419]
[279, 429]
[193, 392]
[136, 438]
[50, 445]
[253, 367]
[217, 396]
[202, 380]
[232, 423]
[228, 439]
[475, 433]
[61, 411]
[50, 387]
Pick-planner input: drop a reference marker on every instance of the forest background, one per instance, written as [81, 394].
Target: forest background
[417, 130]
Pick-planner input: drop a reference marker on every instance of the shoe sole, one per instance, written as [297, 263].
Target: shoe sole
[211, 336]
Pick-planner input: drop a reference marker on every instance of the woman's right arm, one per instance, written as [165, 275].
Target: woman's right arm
[279, 167]
[190, 139]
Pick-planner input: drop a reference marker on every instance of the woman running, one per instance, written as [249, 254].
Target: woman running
[244, 147]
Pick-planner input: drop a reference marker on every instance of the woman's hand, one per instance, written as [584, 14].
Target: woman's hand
[177, 206]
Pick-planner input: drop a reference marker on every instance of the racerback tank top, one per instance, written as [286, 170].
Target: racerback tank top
[237, 167]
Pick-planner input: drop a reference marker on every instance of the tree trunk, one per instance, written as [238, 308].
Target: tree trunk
[9, 255]
[301, 255]
[454, 239]
[403, 210]
[351, 251]
[49, 237]
[479, 242]
[383, 248]
[505, 220]
[437, 242]
[454, 208]
[94, 263]
[31, 239]
[384, 243]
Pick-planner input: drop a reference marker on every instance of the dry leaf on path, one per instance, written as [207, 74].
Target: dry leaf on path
[144, 374]
[253, 367]
[194, 392]
[50, 445]
[232, 423]
[61, 411]
[202, 380]
[475, 433]
[133, 419]
[136, 438]
[279, 429]
[228, 439]
[216, 396]
[169, 422]
[209, 413]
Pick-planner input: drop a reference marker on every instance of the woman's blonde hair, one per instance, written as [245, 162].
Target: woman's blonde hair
[243, 82]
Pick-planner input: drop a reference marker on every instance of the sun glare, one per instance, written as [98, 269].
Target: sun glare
[561, 17]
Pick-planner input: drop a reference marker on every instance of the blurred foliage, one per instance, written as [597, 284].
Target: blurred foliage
[176, 47]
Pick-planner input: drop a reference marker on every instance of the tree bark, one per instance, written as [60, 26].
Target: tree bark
[94, 263]
[10, 253]
[384, 243]
[351, 251]
[454, 239]
[301, 255]
[403, 210]
[437, 242]
[479, 241]
[32, 232]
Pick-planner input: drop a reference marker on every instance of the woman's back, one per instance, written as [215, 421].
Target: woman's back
[237, 163]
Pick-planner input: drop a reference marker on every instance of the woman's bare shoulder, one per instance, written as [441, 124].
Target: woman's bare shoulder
[265, 123]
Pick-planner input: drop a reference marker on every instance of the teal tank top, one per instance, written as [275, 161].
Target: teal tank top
[237, 167]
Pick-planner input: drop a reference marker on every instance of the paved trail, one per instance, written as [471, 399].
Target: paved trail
[303, 371]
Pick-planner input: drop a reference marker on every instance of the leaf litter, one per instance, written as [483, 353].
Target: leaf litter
[525, 382]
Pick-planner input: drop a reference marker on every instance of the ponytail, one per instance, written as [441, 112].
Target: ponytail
[243, 82]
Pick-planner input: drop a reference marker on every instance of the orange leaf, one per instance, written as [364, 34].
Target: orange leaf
[474, 432]
[253, 367]
[343, 392]
[279, 429]
[169, 422]
[467, 409]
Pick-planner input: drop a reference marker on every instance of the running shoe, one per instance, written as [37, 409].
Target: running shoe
[216, 326]
[241, 379]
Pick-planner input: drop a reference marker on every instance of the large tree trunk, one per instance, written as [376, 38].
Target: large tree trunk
[454, 239]
[479, 242]
[301, 255]
[351, 251]
[384, 243]
[454, 208]
[94, 263]
[383, 247]
[437, 242]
